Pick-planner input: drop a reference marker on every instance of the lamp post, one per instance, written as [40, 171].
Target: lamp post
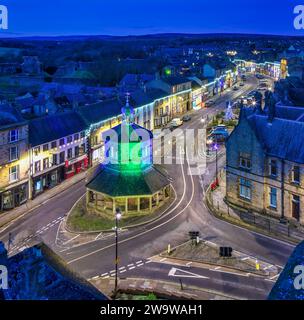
[215, 147]
[118, 216]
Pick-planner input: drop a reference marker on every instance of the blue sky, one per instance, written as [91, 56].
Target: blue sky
[123, 17]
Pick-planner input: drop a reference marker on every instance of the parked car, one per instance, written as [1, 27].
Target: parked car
[186, 118]
[177, 122]
[242, 84]
[235, 88]
[209, 103]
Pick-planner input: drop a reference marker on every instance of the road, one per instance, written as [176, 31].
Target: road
[188, 212]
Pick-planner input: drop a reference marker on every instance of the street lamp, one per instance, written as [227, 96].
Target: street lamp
[118, 216]
[216, 147]
[209, 143]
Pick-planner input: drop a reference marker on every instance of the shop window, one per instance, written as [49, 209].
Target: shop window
[7, 200]
[13, 136]
[14, 173]
[14, 153]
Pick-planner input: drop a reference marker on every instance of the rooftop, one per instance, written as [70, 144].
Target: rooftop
[53, 127]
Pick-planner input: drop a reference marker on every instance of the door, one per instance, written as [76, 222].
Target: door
[296, 207]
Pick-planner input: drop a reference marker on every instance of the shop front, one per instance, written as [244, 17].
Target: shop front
[75, 166]
[14, 197]
[47, 180]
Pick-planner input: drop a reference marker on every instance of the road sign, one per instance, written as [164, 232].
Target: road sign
[226, 252]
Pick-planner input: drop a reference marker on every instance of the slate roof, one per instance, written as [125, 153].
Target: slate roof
[9, 116]
[100, 111]
[284, 287]
[117, 184]
[290, 113]
[132, 79]
[176, 80]
[140, 98]
[282, 138]
[53, 127]
[124, 127]
[49, 276]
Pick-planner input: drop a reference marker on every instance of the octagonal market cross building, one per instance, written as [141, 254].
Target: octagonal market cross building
[127, 179]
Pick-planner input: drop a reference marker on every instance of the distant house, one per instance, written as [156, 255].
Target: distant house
[37, 273]
[131, 82]
[58, 149]
[31, 65]
[14, 162]
[178, 101]
[265, 163]
[9, 68]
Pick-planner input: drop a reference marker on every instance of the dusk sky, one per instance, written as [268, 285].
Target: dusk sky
[124, 17]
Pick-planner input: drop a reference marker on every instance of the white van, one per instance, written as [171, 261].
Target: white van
[176, 122]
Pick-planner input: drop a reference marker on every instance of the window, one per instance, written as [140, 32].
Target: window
[37, 166]
[13, 136]
[273, 198]
[69, 139]
[46, 147]
[46, 163]
[245, 161]
[76, 136]
[70, 153]
[273, 168]
[296, 207]
[61, 142]
[296, 174]
[62, 157]
[14, 173]
[55, 159]
[14, 153]
[54, 144]
[82, 134]
[37, 150]
[83, 148]
[245, 189]
[76, 151]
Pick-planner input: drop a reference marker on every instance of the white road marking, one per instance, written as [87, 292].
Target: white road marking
[186, 274]
[78, 235]
[131, 268]
[139, 265]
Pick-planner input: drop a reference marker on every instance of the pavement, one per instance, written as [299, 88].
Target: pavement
[95, 257]
[162, 289]
[40, 200]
